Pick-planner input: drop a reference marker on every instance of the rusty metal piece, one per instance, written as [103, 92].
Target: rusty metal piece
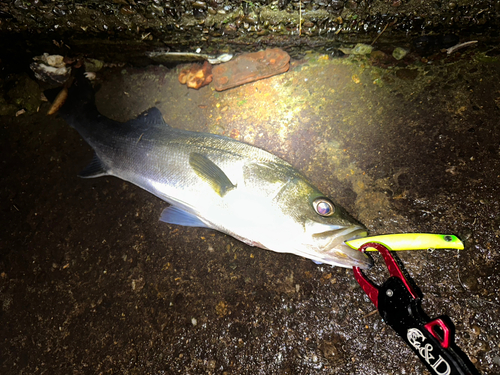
[196, 76]
[250, 67]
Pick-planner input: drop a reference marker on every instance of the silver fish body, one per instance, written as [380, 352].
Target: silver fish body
[217, 182]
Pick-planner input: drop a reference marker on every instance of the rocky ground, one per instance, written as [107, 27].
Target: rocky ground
[92, 282]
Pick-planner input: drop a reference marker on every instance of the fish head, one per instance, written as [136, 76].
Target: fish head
[325, 226]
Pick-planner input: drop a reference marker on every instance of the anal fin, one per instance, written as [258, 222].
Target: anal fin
[96, 168]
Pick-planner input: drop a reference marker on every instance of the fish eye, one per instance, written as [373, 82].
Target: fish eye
[323, 207]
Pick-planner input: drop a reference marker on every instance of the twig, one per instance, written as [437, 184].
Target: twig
[450, 50]
[370, 314]
[300, 18]
[378, 36]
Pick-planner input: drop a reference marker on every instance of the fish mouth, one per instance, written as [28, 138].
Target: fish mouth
[334, 251]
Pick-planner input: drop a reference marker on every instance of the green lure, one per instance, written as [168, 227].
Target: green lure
[410, 241]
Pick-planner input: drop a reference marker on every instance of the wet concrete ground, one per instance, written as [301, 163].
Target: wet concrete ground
[92, 283]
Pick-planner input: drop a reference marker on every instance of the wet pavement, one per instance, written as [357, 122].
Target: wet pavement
[92, 283]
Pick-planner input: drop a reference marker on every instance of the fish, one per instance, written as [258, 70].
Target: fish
[213, 181]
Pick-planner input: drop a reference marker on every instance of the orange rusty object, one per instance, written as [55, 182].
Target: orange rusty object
[250, 67]
[196, 76]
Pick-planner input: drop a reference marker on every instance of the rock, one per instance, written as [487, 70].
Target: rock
[26, 94]
[399, 53]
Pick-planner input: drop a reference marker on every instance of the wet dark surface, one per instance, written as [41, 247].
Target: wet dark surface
[92, 282]
[126, 30]
[180, 22]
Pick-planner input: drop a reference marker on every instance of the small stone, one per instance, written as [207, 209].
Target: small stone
[199, 4]
[359, 49]
[362, 49]
[471, 283]
[26, 94]
[93, 65]
[476, 329]
[55, 60]
[399, 53]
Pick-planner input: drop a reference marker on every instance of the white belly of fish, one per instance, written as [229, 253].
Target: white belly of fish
[241, 212]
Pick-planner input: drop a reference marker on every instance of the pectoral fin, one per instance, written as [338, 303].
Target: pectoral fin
[174, 215]
[209, 172]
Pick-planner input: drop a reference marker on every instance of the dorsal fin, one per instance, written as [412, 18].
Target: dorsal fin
[151, 117]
